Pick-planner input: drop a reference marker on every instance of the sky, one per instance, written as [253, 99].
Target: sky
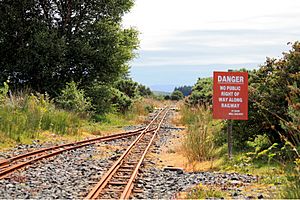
[182, 40]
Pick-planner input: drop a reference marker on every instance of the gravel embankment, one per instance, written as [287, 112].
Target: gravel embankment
[67, 176]
[167, 182]
[71, 175]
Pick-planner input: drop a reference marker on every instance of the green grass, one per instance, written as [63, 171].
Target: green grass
[291, 189]
[203, 192]
[24, 117]
[274, 165]
[111, 121]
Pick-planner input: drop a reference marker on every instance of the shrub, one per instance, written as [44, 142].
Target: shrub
[144, 91]
[73, 99]
[176, 95]
[201, 92]
[120, 101]
[128, 87]
[100, 96]
[167, 97]
[186, 90]
[260, 143]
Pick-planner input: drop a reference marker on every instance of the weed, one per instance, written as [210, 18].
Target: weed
[198, 144]
[203, 192]
[24, 116]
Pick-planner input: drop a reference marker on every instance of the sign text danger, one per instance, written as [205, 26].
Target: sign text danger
[230, 95]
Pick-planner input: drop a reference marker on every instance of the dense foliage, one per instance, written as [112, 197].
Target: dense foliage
[272, 132]
[176, 95]
[273, 97]
[45, 44]
[186, 90]
[144, 91]
[274, 104]
[73, 99]
[201, 92]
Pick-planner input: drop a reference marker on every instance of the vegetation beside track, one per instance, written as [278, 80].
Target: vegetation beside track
[25, 117]
[268, 144]
[69, 73]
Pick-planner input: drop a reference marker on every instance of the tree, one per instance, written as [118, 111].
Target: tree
[186, 90]
[128, 87]
[176, 95]
[201, 92]
[44, 44]
[144, 91]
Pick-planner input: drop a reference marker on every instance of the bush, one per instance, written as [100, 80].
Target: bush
[186, 90]
[201, 92]
[128, 87]
[73, 99]
[176, 95]
[107, 99]
[144, 91]
[120, 101]
[100, 96]
[167, 97]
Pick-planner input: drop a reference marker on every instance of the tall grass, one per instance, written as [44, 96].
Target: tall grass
[292, 189]
[25, 116]
[204, 192]
[198, 144]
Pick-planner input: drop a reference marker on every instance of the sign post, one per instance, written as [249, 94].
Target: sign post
[230, 99]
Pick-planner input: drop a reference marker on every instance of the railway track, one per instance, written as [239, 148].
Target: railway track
[8, 166]
[118, 182]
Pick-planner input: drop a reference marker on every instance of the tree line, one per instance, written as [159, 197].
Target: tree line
[77, 46]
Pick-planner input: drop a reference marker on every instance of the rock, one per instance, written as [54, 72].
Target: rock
[235, 194]
[260, 196]
[178, 170]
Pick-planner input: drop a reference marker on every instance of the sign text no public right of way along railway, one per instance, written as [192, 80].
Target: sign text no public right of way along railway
[230, 95]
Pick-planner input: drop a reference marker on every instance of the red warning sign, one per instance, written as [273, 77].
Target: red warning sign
[230, 95]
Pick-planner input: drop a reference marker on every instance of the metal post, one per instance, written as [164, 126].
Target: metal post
[229, 138]
[229, 133]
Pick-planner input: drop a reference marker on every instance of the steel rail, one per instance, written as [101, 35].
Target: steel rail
[129, 187]
[66, 147]
[35, 152]
[98, 188]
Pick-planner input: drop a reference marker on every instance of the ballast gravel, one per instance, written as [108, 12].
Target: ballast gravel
[72, 175]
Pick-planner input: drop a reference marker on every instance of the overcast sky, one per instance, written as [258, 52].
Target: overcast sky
[182, 40]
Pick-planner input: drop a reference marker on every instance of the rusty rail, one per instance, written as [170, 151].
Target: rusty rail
[119, 179]
[7, 166]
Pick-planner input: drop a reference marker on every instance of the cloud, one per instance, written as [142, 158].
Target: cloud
[205, 47]
[186, 39]
[160, 20]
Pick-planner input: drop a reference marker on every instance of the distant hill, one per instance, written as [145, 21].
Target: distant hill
[165, 88]
[161, 93]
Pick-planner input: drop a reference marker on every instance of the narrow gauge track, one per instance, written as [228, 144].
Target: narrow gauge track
[118, 182]
[8, 166]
